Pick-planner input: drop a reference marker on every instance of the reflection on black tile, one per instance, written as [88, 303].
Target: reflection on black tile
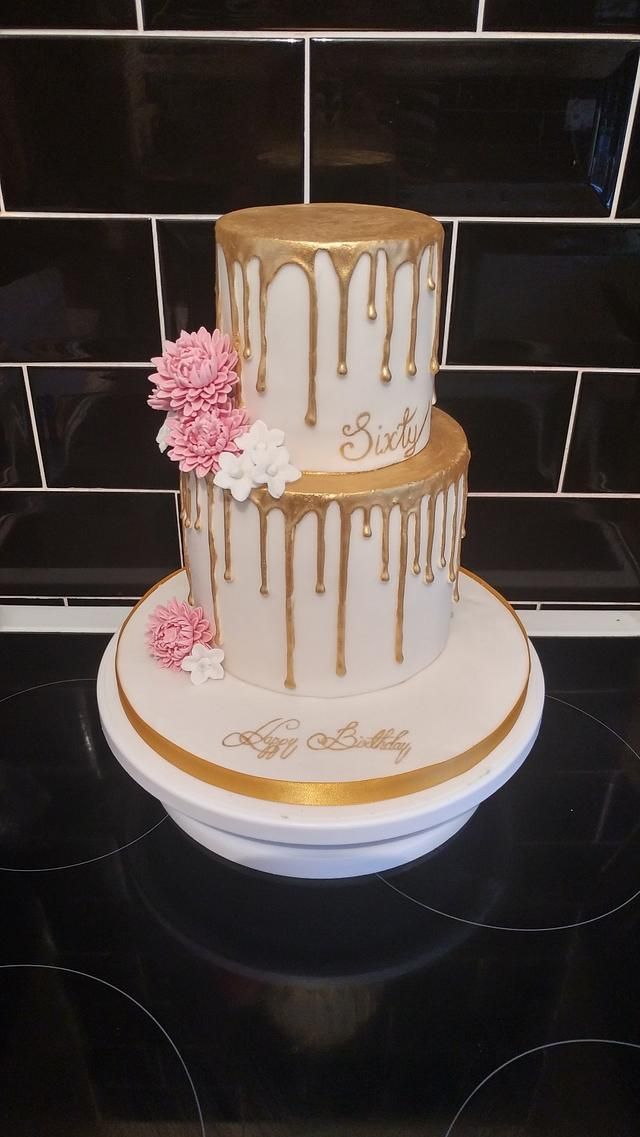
[32, 602]
[82, 1051]
[516, 423]
[252, 15]
[86, 544]
[555, 549]
[470, 128]
[100, 602]
[47, 657]
[548, 840]
[187, 261]
[77, 290]
[629, 204]
[604, 454]
[18, 461]
[65, 799]
[562, 16]
[151, 125]
[68, 14]
[566, 295]
[96, 429]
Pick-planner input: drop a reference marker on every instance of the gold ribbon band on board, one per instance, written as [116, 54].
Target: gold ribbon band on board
[323, 793]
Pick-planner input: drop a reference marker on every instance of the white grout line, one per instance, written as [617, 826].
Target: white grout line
[572, 419]
[626, 143]
[81, 489]
[34, 426]
[2, 205]
[615, 622]
[480, 20]
[156, 263]
[177, 501]
[139, 16]
[306, 189]
[551, 495]
[447, 310]
[543, 370]
[468, 218]
[296, 35]
[88, 364]
[65, 601]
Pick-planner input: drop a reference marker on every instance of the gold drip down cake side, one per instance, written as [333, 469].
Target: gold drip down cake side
[334, 311]
[344, 584]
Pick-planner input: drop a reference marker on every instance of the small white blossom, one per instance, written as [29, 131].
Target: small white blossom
[264, 460]
[162, 437]
[204, 663]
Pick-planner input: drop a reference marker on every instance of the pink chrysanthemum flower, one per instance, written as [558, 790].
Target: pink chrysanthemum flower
[195, 373]
[196, 444]
[174, 629]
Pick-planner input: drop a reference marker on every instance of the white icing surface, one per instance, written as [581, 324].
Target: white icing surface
[253, 626]
[436, 715]
[340, 398]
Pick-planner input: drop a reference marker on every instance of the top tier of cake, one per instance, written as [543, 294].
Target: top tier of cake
[334, 310]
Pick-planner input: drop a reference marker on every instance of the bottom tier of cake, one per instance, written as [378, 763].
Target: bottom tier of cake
[345, 583]
[317, 787]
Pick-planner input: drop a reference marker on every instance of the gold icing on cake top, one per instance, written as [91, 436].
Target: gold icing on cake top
[294, 234]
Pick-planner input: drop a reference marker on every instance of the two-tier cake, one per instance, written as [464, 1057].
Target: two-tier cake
[323, 501]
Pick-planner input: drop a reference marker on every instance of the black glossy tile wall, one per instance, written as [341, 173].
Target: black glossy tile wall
[77, 290]
[516, 423]
[471, 128]
[605, 455]
[557, 295]
[86, 544]
[96, 429]
[18, 459]
[556, 549]
[104, 14]
[330, 14]
[187, 265]
[562, 16]
[150, 125]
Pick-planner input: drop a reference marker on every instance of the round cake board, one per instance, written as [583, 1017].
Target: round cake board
[326, 788]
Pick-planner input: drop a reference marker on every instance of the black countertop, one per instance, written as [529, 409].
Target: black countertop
[149, 988]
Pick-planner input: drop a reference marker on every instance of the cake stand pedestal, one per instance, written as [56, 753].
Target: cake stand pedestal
[321, 788]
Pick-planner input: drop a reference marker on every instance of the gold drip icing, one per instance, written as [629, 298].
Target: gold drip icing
[235, 324]
[343, 580]
[213, 558]
[384, 572]
[415, 568]
[197, 525]
[431, 284]
[443, 541]
[366, 521]
[185, 519]
[226, 498]
[456, 589]
[246, 351]
[402, 580]
[289, 542]
[415, 296]
[320, 550]
[373, 272]
[293, 234]
[454, 532]
[264, 578]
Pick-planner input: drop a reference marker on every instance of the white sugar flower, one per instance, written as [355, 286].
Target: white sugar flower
[273, 468]
[162, 437]
[204, 663]
[258, 438]
[263, 460]
[235, 474]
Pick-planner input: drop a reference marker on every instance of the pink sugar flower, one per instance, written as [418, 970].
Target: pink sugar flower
[195, 373]
[196, 444]
[174, 629]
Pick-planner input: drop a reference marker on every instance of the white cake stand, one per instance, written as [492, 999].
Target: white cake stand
[320, 788]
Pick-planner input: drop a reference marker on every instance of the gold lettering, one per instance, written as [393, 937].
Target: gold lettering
[264, 741]
[404, 436]
[348, 738]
